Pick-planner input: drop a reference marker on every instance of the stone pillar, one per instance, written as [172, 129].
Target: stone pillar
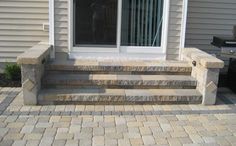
[32, 69]
[31, 82]
[207, 83]
[205, 68]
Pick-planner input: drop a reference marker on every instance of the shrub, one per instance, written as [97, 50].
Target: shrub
[12, 72]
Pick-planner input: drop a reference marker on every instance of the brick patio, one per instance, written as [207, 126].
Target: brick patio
[116, 125]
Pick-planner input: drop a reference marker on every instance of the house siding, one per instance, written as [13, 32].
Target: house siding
[61, 25]
[175, 20]
[174, 32]
[21, 26]
[207, 18]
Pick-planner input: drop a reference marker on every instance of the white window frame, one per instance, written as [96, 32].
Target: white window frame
[51, 38]
[183, 27]
[160, 51]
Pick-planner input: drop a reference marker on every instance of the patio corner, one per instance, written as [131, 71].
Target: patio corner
[206, 69]
[32, 66]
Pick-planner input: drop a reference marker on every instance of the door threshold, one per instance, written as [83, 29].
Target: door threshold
[117, 56]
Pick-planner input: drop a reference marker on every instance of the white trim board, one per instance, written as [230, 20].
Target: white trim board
[52, 27]
[183, 26]
[159, 51]
[165, 31]
[116, 56]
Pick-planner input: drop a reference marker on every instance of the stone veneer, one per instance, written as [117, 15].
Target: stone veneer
[107, 80]
[206, 70]
[32, 67]
[120, 96]
[121, 66]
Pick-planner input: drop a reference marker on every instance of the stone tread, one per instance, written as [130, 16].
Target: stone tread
[119, 80]
[121, 95]
[144, 66]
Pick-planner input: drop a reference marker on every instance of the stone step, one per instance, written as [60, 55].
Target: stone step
[120, 81]
[136, 67]
[120, 96]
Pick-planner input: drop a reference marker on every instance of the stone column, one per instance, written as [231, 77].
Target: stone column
[32, 69]
[205, 68]
[207, 83]
[31, 82]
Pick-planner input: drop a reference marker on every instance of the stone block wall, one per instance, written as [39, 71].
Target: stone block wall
[32, 67]
[205, 68]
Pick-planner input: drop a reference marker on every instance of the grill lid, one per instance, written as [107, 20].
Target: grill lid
[224, 41]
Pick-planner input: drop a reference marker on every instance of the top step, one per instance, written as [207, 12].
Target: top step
[120, 66]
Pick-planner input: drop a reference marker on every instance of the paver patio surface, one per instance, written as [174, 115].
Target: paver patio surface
[121, 125]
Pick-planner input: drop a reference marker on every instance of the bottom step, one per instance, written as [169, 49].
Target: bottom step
[120, 96]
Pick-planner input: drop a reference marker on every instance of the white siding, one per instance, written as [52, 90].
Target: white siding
[175, 24]
[21, 26]
[207, 18]
[61, 23]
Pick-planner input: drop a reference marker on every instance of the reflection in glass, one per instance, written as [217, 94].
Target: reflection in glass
[95, 22]
[141, 22]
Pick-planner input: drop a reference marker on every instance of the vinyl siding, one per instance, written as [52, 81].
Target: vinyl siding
[21, 26]
[207, 18]
[61, 23]
[175, 24]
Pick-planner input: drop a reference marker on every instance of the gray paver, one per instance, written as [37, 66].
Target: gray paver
[122, 125]
[148, 140]
[46, 141]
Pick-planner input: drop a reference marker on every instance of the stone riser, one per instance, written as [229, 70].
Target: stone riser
[116, 103]
[49, 71]
[151, 96]
[151, 84]
[101, 99]
[109, 69]
[47, 86]
[127, 81]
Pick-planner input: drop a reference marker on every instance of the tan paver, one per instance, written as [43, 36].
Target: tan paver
[136, 141]
[33, 136]
[121, 125]
[148, 140]
[72, 143]
[98, 141]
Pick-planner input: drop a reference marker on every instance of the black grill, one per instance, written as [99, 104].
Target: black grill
[224, 41]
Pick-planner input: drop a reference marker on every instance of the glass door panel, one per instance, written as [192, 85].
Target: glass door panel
[141, 23]
[95, 23]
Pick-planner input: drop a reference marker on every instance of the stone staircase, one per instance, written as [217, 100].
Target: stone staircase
[118, 82]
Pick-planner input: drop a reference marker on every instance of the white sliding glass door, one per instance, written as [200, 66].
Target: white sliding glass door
[95, 23]
[141, 22]
[122, 26]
